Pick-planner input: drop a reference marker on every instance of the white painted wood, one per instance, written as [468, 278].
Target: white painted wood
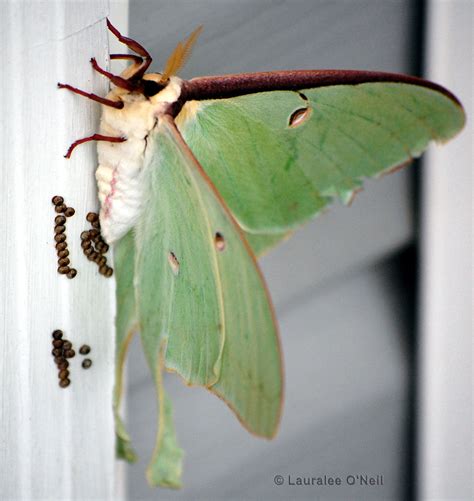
[54, 443]
[445, 424]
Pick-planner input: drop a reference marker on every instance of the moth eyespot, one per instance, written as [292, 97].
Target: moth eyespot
[174, 263]
[299, 116]
[219, 242]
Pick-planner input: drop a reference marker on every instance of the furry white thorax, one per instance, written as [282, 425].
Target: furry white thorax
[119, 174]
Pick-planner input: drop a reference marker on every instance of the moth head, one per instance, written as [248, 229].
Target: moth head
[153, 84]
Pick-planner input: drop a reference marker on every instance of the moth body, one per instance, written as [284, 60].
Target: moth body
[119, 173]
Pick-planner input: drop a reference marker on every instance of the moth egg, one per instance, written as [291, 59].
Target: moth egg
[57, 343]
[85, 235]
[85, 244]
[60, 208]
[67, 345]
[72, 273]
[64, 261]
[86, 363]
[59, 228]
[57, 334]
[84, 349]
[57, 200]
[64, 383]
[64, 270]
[63, 374]
[88, 251]
[60, 237]
[69, 212]
[62, 364]
[57, 352]
[70, 354]
[92, 216]
[60, 246]
[92, 256]
[60, 219]
[109, 272]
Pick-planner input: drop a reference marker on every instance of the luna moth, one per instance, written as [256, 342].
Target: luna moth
[198, 178]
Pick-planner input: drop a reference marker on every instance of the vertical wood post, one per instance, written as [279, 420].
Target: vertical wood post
[445, 389]
[55, 443]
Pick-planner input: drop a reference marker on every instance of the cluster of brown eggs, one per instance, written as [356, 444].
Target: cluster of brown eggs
[94, 246]
[62, 350]
[60, 236]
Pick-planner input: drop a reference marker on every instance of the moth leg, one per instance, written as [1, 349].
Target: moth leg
[94, 137]
[94, 97]
[116, 80]
[133, 57]
[136, 47]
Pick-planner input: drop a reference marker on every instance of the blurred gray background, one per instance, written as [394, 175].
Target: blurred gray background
[343, 286]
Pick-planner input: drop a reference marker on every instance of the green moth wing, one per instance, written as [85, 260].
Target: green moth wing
[199, 289]
[125, 327]
[278, 158]
[166, 463]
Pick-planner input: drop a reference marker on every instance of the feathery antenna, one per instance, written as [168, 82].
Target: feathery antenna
[180, 55]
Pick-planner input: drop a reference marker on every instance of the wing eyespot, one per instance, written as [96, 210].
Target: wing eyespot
[219, 241]
[298, 117]
[173, 262]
